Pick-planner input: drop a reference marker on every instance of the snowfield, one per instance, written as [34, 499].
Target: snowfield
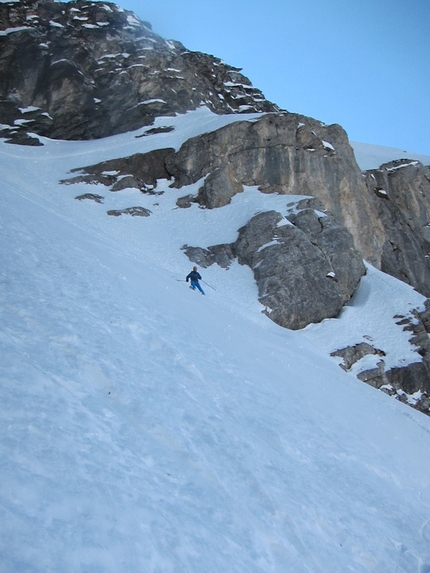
[373, 156]
[146, 428]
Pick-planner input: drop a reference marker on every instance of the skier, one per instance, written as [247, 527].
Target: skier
[194, 277]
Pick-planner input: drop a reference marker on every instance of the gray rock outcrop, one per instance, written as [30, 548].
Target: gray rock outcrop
[399, 193]
[280, 153]
[140, 171]
[283, 153]
[85, 70]
[133, 211]
[409, 384]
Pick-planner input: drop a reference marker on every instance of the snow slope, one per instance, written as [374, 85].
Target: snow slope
[373, 156]
[146, 428]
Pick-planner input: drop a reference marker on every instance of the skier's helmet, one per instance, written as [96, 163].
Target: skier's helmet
[194, 268]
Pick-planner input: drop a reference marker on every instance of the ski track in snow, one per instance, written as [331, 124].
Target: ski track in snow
[148, 428]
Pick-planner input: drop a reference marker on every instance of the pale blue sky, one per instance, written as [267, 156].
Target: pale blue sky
[365, 65]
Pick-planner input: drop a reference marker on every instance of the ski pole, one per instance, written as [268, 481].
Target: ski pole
[208, 284]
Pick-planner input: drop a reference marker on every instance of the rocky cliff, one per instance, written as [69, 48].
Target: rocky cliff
[398, 194]
[86, 70]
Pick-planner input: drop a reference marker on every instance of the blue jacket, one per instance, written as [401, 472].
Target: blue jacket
[194, 276]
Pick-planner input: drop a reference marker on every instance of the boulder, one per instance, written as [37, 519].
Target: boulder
[133, 211]
[303, 276]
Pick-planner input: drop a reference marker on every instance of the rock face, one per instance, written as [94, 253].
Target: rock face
[400, 194]
[85, 70]
[282, 153]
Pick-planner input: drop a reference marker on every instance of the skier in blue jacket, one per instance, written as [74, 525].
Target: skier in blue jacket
[194, 277]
